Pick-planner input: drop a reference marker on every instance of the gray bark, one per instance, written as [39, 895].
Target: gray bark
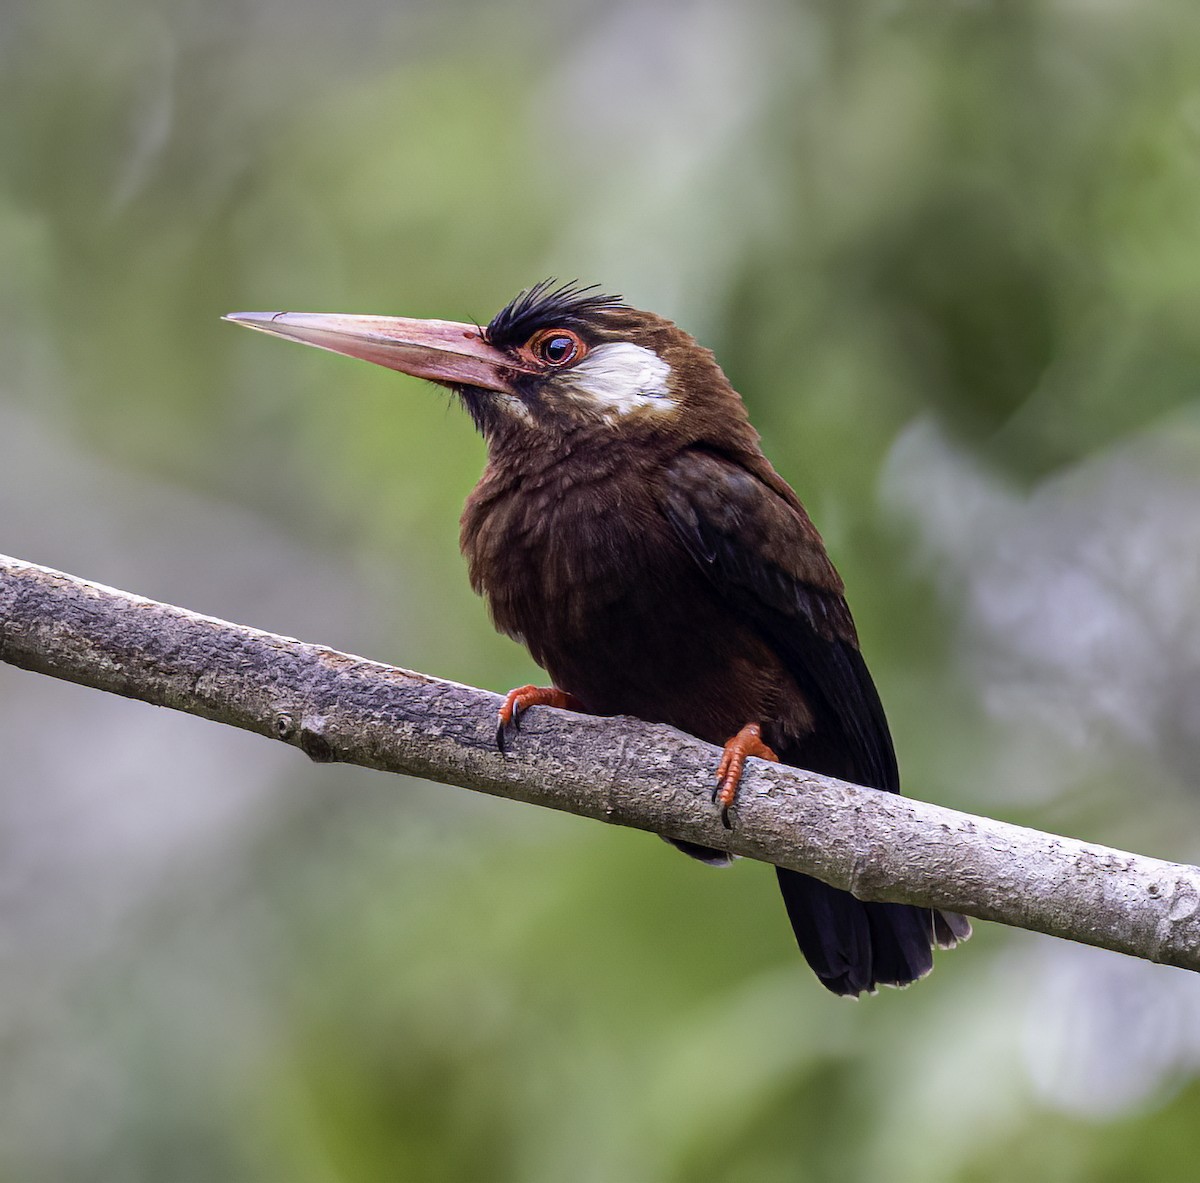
[335, 706]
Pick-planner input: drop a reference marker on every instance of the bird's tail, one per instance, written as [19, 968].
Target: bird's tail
[854, 946]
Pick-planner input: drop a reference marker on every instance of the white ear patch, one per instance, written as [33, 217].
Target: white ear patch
[621, 378]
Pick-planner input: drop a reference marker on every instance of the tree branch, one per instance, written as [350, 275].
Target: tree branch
[335, 706]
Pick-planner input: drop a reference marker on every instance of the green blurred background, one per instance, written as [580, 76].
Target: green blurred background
[949, 254]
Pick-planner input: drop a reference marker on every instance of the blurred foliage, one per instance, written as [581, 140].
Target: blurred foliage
[949, 254]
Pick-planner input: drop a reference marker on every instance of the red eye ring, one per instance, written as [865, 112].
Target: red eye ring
[556, 347]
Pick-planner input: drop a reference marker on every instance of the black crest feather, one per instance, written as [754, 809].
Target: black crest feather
[546, 305]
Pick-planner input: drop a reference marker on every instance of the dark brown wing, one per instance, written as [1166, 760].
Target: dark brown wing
[749, 534]
[762, 553]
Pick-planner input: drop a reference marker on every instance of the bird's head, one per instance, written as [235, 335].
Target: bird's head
[554, 361]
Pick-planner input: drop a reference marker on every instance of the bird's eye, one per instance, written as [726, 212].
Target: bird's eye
[557, 347]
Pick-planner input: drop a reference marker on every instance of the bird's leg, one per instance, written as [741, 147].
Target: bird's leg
[517, 702]
[747, 742]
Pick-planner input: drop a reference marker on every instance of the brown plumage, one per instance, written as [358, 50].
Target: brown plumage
[629, 530]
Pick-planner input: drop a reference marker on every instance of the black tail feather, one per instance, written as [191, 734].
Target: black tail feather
[950, 928]
[854, 946]
[706, 854]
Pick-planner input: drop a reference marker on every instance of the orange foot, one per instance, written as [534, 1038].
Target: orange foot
[747, 742]
[517, 702]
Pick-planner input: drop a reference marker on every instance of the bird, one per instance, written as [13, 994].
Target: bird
[630, 532]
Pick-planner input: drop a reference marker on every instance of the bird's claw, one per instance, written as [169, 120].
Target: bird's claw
[509, 714]
[747, 742]
[513, 720]
[729, 773]
[517, 702]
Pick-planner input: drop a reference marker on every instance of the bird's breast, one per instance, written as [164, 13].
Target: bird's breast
[554, 552]
[589, 574]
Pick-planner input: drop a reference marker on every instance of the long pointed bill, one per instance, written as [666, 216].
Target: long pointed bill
[440, 350]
